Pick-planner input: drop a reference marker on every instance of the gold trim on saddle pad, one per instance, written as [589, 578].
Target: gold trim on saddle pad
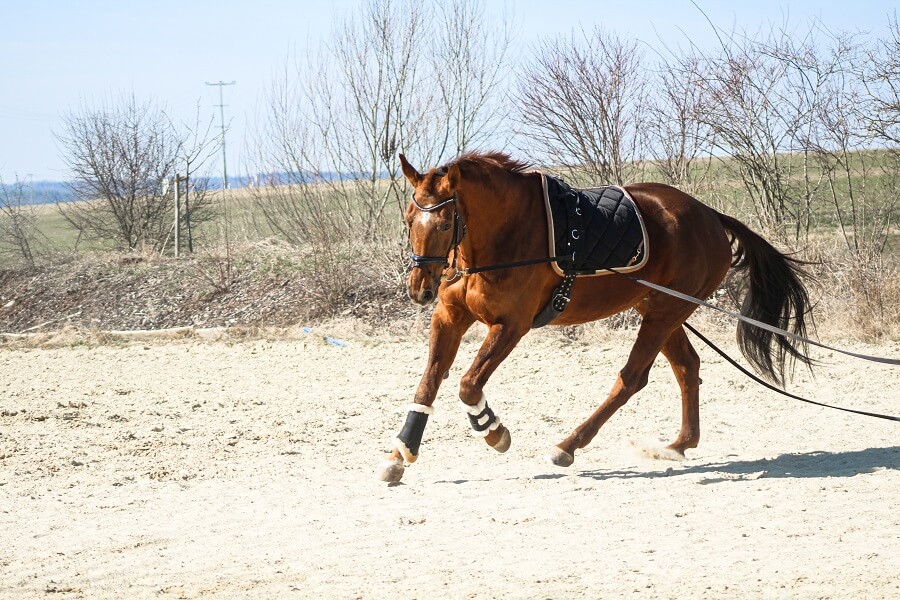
[643, 251]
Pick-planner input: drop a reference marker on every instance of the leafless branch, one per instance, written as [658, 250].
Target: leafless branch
[583, 102]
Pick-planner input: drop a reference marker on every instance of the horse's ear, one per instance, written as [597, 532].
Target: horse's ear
[410, 172]
[453, 177]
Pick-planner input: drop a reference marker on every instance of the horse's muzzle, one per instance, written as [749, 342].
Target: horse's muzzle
[422, 286]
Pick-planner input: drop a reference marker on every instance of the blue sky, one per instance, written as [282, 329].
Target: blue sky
[56, 55]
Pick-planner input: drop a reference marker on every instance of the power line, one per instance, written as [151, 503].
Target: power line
[221, 106]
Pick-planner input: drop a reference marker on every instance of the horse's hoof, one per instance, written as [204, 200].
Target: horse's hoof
[391, 471]
[503, 443]
[560, 457]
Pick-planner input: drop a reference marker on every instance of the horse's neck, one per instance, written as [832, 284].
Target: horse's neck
[506, 226]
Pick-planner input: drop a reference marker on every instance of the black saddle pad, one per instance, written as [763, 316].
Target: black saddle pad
[594, 228]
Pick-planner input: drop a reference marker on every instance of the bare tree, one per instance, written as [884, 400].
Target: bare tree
[123, 154]
[582, 101]
[859, 182]
[759, 97]
[881, 77]
[120, 155]
[392, 78]
[19, 234]
[678, 139]
[383, 105]
[470, 61]
[197, 145]
[421, 78]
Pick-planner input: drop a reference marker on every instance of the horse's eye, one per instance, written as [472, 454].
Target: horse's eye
[444, 227]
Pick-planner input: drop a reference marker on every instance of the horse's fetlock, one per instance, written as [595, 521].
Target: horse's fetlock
[409, 439]
[483, 420]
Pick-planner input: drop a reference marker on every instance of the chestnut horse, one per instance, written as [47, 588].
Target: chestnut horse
[486, 209]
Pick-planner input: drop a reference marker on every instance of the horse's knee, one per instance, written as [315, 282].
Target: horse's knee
[469, 392]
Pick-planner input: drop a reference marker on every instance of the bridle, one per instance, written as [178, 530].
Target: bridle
[459, 232]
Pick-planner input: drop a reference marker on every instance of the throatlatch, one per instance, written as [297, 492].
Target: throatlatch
[410, 437]
[482, 418]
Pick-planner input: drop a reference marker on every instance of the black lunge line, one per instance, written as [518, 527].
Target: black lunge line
[465, 272]
[765, 383]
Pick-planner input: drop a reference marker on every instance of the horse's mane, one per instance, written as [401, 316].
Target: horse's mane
[485, 161]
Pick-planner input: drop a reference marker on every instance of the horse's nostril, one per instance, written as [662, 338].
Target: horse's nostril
[427, 296]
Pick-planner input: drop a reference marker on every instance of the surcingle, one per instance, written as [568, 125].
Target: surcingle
[595, 228]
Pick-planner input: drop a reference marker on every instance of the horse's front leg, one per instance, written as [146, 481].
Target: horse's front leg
[500, 341]
[447, 328]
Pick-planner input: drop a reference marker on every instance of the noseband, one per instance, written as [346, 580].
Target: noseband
[459, 232]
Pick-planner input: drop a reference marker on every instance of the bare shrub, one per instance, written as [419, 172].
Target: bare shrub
[855, 297]
[760, 96]
[393, 78]
[679, 141]
[19, 235]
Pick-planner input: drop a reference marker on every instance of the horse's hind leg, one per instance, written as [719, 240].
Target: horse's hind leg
[686, 365]
[653, 334]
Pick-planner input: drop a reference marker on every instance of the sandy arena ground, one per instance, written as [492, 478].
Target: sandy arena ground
[245, 469]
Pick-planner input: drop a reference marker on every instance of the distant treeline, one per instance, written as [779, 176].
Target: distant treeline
[52, 192]
[41, 192]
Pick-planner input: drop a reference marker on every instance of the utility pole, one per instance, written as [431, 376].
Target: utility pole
[177, 217]
[221, 106]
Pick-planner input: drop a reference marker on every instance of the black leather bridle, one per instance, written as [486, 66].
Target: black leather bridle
[459, 232]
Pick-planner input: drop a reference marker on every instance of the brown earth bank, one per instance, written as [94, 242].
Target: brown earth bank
[271, 285]
[245, 468]
[260, 286]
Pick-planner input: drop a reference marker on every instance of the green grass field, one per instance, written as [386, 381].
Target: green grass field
[239, 216]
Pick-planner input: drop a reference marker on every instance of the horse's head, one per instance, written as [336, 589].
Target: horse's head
[435, 227]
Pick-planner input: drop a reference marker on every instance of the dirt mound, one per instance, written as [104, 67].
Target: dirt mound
[264, 284]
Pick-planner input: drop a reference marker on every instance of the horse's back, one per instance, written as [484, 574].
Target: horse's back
[686, 237]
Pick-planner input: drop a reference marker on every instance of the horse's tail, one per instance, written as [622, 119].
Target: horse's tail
[775, 295]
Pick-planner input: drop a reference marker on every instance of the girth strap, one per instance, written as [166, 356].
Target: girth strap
[559, 299]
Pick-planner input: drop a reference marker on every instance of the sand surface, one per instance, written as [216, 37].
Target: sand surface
[245, 469]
